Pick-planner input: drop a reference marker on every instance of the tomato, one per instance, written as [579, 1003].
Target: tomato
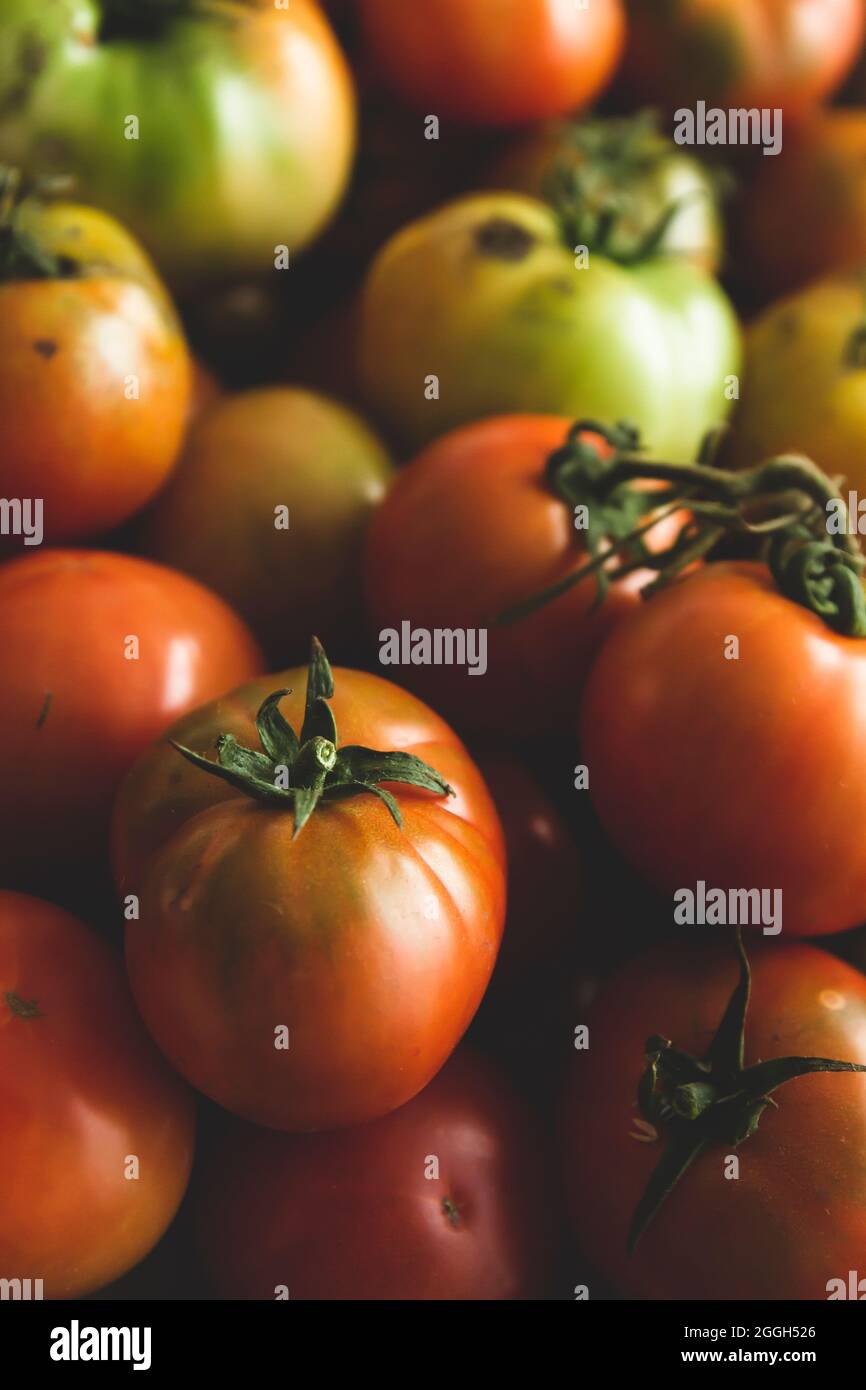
[279, 538]
[805, 213]
[94, 371]
[469, 529]
[743, 767]
[540, 851]
[447, 1199]
[483, 307]
[804, 383]
[742, 53]
[245, 121]
[794, 1217]
[630, 161]
[100, 653]
[371, 943]
[96, 1134]
[495, 62]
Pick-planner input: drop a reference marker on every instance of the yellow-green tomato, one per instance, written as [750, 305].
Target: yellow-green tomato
[804, 382]
[482, 308]
[268, 506]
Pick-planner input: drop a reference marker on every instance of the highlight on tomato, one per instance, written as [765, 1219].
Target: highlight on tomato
[478, 522]
[713, 1129]
[718, 715]
[448, 1200]
[498, 303]
[101, 652]
[280, 537]
[218, 132]
[96, 1132]
[319, 915]
[95, 376]
[494, 62]
[790, 54]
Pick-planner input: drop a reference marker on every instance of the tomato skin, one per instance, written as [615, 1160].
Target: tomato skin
[478, 497]
[484, 295]
[296, 1218]
[70, 433]
[794, 1219]
[246, 124]
[729, 770]
[742, 53]
[372, 944]
[802, 390]
[805, 214]
[216, 521]
[81, 1089]
[75, 711]
[495, 62]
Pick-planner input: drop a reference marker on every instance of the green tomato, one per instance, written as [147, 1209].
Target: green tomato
[482, 309]
[218, 131]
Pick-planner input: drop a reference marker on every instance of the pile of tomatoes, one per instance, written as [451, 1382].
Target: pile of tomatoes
[416, 583]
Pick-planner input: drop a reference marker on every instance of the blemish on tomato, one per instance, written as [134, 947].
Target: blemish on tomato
[831, 999]
[451, 1211]
[46, 347]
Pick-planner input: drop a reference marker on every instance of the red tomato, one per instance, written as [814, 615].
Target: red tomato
[80, 701]
[469, 529]
[372, 944]
[742, 53]
[94, 372]
[446, 1198]
[746, 771]
[545, 874]
[96, 1134]
[795, 1217]
[804, 212]
[495, 62]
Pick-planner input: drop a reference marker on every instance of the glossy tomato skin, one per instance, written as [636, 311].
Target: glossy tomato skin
[78, 705]
[469, 529]
[794, 1218]
[745, 771]
[804, 387]
[246, 123]
[218, 522]
[742, 53]
[362, 1214]
[372, 944]
[486, 62]
[805, 214]
[94, 377]
[83, 1092]
[481, 308]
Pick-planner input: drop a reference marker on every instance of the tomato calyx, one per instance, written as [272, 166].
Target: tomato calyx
[22, 1008]
[784, 503]
[714, 1099]
[295, 774]
[594, 186]
[21, 255]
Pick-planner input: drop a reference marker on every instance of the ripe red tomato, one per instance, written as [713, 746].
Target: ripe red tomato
[742, 53]
[315, 979]
[94, 372]
[495, 62]
[795, 1217]
[740, 765]
[446, 1198]
[80, 700]
[96, 1133]
[469, 529]
[805, 213]
[545, 873]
